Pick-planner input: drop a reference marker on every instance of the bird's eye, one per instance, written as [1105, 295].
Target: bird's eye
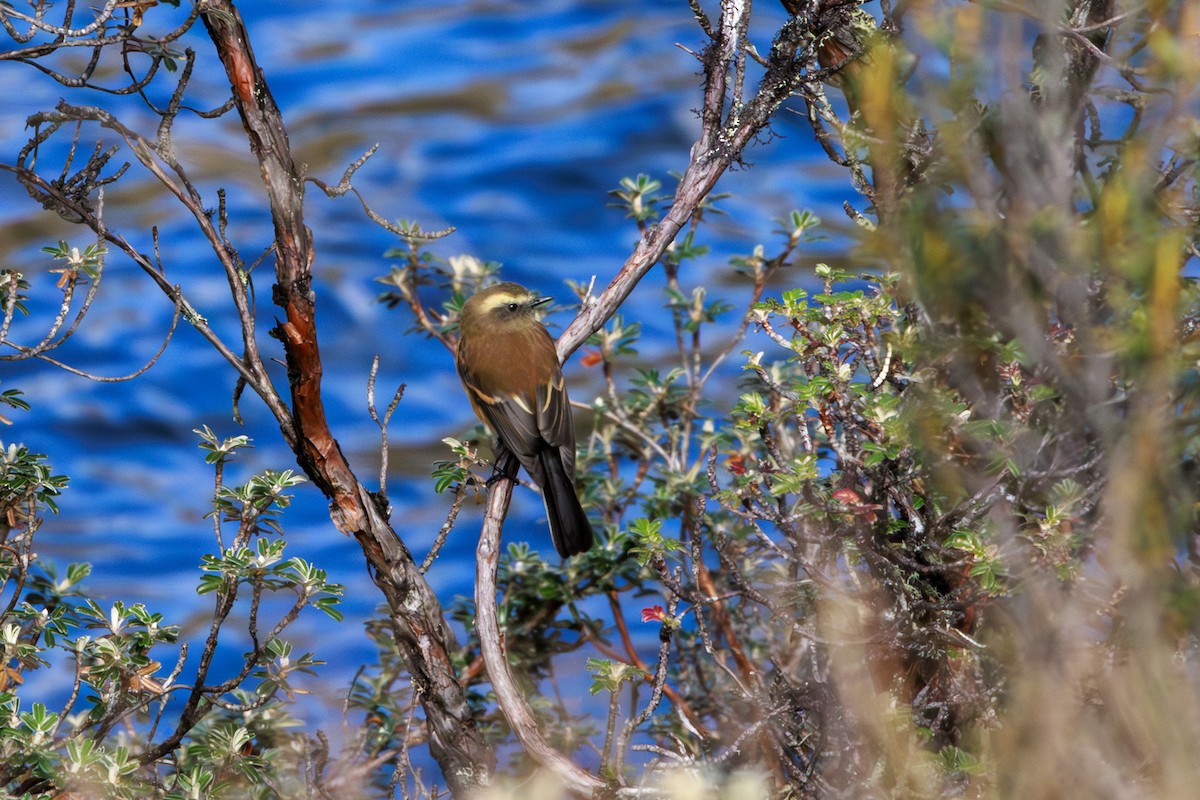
[512, 306]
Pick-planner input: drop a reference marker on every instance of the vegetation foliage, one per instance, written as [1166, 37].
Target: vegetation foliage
[921, 523]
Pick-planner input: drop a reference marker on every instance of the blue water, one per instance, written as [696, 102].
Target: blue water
[508, 121]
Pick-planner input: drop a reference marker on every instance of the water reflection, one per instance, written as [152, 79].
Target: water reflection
[510, 123]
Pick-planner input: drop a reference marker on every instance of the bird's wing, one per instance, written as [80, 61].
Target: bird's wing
[514, 423]
[554, 419]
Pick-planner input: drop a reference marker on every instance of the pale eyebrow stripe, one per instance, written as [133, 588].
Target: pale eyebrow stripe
[497, 300]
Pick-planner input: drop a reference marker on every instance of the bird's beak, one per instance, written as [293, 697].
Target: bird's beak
[540, 301]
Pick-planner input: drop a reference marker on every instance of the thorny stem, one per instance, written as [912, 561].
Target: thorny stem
[660, 679]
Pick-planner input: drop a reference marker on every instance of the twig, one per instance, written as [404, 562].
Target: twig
[344, 185]
[383, 425]
[460, 494]
[117, 378]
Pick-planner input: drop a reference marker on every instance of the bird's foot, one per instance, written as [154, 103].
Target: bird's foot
[506, 466]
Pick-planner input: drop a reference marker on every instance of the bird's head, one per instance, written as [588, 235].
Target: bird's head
[502, 308]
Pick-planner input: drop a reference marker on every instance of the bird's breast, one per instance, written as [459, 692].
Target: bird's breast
[509, 363]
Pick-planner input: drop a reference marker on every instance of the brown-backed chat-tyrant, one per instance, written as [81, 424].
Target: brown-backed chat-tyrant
[508, 364]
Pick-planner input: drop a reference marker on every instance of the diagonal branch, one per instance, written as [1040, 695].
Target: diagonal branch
[722, 139]
[425, 639]
[79, 211]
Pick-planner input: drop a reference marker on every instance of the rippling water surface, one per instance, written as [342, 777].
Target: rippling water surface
[508, 121]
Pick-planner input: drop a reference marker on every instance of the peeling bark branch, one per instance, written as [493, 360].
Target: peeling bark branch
[416, 614]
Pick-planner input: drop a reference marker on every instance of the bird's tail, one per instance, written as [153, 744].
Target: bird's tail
[569, 526]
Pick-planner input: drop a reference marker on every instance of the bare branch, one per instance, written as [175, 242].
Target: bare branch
[383, 425]
[508, 694]
[344, 186]
[720, 144]
[28, 352]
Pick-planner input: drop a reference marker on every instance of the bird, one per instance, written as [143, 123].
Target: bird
[509, 367]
